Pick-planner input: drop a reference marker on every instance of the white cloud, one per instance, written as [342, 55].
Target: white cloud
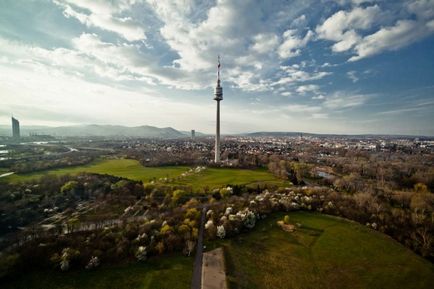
[346, 28]
[265, 42]
[343, 100]
[355, 2]
[303, 89]
[301, 108]
[104, 15]
[353, 76]
[293, 74]
[198, 33]
[95, 59]
[300, 22]
[403, 33]
[423, 9]
[318, 97]
[342, 26]
[292, 44]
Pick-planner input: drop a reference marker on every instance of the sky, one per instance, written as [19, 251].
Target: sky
[323, 66]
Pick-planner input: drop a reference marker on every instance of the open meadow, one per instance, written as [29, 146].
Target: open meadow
[132, 169]
[326, 252]
[126, 168]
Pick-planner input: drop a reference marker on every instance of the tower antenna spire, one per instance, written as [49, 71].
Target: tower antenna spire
[218, 67]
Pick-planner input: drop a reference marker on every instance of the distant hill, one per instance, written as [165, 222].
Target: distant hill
[296, 134]
[145, 131]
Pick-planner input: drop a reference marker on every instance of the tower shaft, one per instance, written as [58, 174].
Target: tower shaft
[217, 135]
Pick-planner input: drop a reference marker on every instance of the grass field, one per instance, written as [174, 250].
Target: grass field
[165, 273]
[126, 168]
[132, 169]
[325, 253]
[217, 177]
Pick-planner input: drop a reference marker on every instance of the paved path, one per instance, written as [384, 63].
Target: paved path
[6, 174]
[196, 283]
[213, 271]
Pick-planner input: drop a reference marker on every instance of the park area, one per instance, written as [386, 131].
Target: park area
[132, 169]
[169, 272]
[322, 252]
[325, 252]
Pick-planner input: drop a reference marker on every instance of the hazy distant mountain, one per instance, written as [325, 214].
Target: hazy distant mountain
[305, 134]
[145, 131]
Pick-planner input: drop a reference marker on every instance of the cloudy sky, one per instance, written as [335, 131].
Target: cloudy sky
[342, 66]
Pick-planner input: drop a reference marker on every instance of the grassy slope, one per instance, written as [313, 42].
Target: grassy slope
[127, 168]
[165, 273]
[325, 253]
[132, 169]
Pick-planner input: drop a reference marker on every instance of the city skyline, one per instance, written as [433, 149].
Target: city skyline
[346, 67]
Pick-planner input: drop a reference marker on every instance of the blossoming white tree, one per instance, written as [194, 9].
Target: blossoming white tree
[221, 232]
[141, 253]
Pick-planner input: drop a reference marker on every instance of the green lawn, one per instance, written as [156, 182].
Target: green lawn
[165, 273]
[126, 168]
[132, 169]
[217, 177]
[325, 253]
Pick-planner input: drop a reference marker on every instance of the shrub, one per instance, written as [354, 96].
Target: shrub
[177, 195]
[68, 186]
[192, 214]
[226, 192]
[7, 262]
[160, 248]
[166, 229]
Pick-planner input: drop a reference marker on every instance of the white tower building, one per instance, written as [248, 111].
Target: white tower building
[218, 97]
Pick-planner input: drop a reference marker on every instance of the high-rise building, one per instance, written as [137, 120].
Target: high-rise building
[218, 97]
[193, 134]
[15, 128]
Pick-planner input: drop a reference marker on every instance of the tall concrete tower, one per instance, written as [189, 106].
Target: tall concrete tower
[15, 128]
[218, 97]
